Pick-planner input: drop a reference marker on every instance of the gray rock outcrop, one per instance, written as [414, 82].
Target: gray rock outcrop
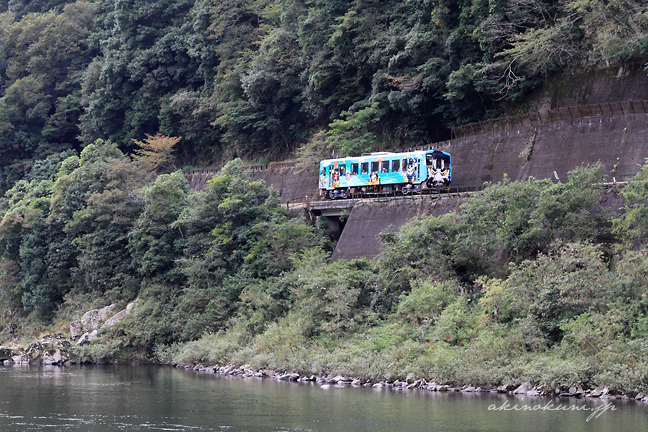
[50, 350]
[87, 328]
[88, 337]
[91, 320]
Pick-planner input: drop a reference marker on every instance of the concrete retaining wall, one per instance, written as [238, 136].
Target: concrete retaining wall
[292, 182]
[368, 219]
[620, 143]
[625, 82]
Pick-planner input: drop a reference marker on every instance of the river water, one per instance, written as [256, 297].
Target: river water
[143, 398]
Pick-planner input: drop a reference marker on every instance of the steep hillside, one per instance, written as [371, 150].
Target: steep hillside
[261, 78]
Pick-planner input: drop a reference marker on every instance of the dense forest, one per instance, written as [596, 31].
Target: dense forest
[102, 103]
[258, 79]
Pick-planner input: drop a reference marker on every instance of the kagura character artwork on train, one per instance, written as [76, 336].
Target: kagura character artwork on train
[385, 173]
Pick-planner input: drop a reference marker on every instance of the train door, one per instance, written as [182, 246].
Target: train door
[334, 175]
[323, 177]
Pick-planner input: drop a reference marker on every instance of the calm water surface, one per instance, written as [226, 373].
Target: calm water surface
[142, 398]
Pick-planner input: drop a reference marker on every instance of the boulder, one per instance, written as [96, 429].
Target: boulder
[50, 350]
[600, 391]
[76, 329]
[523, 389]
[122, 314]
[414, 385]
[54, 357]
[469, 389]
[411, 377]
[288, 377]
[91, 320]
[86, 338]
[20, 359]
[98, 318]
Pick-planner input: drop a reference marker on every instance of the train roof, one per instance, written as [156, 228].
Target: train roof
[365, 156]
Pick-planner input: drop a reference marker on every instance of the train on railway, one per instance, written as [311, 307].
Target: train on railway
[385, 173]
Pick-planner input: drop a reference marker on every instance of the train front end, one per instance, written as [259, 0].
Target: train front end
[439, 167]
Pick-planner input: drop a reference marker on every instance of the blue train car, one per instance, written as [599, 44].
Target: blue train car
[385, 173]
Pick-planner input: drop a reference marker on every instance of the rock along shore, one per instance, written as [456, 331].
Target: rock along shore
[50, 350]
[412, 383]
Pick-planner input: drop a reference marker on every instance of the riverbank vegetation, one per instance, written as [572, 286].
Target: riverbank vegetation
[101, 102]
[530, 281]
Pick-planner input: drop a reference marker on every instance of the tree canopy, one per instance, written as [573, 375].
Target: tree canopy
[262, 78]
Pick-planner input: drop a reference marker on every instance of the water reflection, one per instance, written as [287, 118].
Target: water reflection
[133, 398]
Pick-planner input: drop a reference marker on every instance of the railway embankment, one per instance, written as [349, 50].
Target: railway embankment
[540, 150]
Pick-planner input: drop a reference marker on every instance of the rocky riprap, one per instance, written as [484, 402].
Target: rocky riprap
[411, 383]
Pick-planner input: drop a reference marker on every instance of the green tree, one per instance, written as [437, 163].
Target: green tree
[153, 243]
[633, 224]
[35, 252]
[149, 52]
[234, 235]
[43, 57]
[329, 297]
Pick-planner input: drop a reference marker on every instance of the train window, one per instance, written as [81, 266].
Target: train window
[342, 170]
[404, 167]
[395, 166]
[364, 168]
[384, 166]
[374, 167]
[354, 169]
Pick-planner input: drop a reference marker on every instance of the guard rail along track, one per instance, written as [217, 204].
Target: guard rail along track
[305, 204]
